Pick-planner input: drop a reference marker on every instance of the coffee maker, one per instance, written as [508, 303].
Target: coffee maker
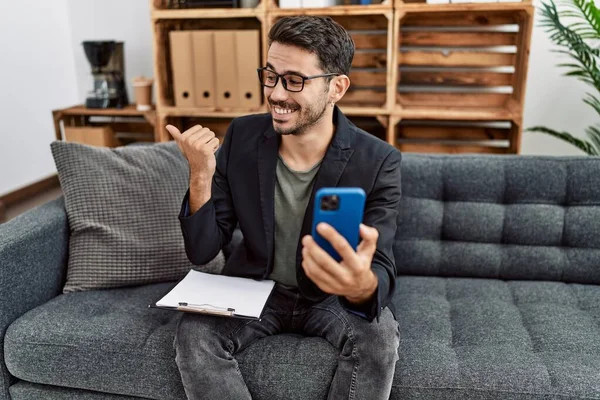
[108, 70]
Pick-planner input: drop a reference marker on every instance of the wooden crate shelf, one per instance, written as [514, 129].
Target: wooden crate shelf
[455, 113]
[166, 6]
[207, 112]
[214, 13]
[461, 7]
[452, 136]
[211, 112]
[127, 123]
[162, 51]
[433, 63]
[465, 63]
[372, 32]
[273, 6]
[331, 11]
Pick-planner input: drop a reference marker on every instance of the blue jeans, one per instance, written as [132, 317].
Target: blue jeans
[206, 345]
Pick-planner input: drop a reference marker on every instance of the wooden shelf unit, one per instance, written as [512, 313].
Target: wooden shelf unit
[427, 65]
[139, 124]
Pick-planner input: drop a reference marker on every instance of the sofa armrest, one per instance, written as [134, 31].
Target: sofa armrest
[33, 259]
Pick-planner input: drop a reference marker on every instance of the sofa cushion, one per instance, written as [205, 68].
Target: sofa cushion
[105, 340]
[486, 339]
[506, 217]
[109, 341]
[27, 391]
[122, 206]
[460, 338]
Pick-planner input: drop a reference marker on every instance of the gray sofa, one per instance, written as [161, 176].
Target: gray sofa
[497, 298]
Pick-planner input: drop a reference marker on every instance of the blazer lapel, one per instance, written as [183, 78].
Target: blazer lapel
[333, 165]
[329, 174]
[268, 149]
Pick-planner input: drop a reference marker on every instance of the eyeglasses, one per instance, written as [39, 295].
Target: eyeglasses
[291, 82]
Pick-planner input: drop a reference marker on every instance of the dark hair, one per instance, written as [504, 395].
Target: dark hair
[319, 35]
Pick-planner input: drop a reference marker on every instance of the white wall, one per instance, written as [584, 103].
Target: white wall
[42, 55]
[121, 20]
[553, 100]
[44, 60]
[37, 71]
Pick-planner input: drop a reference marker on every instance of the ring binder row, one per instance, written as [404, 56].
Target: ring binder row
[216, 68]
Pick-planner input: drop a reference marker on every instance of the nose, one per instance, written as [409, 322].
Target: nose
[278, 93]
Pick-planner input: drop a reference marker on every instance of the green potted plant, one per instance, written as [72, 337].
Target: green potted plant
[579, 40]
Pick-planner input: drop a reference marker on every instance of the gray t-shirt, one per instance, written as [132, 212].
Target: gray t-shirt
[292, 193]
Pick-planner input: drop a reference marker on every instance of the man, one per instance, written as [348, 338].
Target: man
[264, 178]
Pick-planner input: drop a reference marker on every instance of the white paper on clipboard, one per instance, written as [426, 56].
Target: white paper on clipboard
[242, 296]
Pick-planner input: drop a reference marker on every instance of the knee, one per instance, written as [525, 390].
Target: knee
[382, 338]
[191, 336]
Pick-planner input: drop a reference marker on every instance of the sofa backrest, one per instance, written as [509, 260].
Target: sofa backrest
[506, 217]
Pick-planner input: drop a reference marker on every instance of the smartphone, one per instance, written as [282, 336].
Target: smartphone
[343, 209]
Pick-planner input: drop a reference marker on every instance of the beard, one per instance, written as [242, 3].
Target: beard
[306, 117]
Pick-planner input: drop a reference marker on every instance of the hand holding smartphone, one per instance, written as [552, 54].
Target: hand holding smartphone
[343, 209]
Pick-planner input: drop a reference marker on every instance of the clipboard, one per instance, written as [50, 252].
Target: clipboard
[218, 295]
[202, 309]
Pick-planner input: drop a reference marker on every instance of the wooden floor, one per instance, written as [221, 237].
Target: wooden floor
[33, 201]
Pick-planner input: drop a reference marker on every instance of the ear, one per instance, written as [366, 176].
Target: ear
[338, 87]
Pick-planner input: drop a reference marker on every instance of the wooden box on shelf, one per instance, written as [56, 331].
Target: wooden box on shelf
[128, 124]
[462, 62]
[453, 136]
[177, 37]
[102, 136]
[463, 59]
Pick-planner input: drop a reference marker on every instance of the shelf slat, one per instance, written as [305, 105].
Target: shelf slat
[205, 112]
[212, 113]
[127, 111]
[454, 113]
[203, 13]
[464, 7]
[421, 113]
[364, 111]
[334, 11]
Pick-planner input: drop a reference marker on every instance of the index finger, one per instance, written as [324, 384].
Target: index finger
[337, 241]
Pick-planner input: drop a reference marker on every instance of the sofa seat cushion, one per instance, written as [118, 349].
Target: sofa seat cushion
[482, 338]
[106, 340]
[460, 338]
[110, 341]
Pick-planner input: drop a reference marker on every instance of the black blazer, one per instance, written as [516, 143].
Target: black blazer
[243, 192]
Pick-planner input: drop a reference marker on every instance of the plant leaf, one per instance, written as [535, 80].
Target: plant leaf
[593, 134]
[583, 145]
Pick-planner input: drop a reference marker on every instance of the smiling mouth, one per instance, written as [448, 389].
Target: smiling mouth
[279, 110]
[282, 114]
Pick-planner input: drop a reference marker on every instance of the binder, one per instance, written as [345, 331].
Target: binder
[247, 44]
[204, 68]
[219, 295]
[226, 69]
[182, 65]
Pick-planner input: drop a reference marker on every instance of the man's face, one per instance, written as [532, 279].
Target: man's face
[295, 113]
